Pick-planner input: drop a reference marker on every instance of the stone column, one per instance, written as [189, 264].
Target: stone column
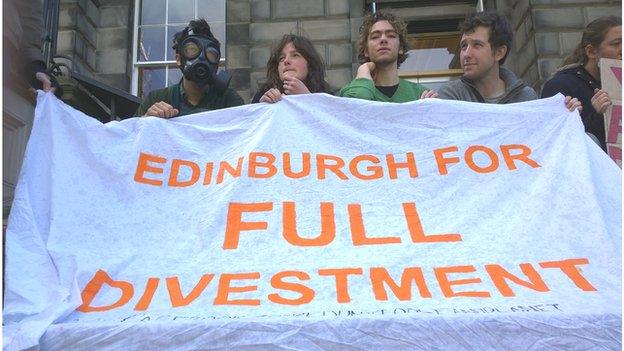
[114, 43]
[238, 17]
[77, 35]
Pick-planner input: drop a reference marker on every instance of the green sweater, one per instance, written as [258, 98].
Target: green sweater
[362, 88]
[174, 96]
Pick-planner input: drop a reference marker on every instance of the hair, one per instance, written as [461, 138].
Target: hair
[499, 28]
[198, 27]
[397, 23]
[593, 35]
[315, 81]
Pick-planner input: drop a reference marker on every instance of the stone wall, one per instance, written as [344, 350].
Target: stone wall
[237, 21]
[77, 35]
[524, 53]
[94, 38]
[114, 43]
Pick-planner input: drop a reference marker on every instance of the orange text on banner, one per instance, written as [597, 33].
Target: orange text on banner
[241, 288]
[235, 225]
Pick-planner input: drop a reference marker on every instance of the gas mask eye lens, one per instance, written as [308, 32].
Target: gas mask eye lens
[191, 50]
[212, 55]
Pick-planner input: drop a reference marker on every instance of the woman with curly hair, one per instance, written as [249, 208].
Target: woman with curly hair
[294, 67]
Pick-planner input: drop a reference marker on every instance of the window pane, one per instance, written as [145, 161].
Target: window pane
[151, 79]
[153, 12]
[171, 30]
[151, 44]
[427, 60]
[218, 30]
[174, 75]
[211, 10]
[181, 11]
[433, 52]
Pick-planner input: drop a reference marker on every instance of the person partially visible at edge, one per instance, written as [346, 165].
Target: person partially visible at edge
[382, 47]
[22, 34]
[580, 75]
[485, 44]
[201, 89]
[295, 67]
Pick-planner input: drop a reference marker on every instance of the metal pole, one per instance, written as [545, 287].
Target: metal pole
[373, 6]
[113, 112]
[50, 17]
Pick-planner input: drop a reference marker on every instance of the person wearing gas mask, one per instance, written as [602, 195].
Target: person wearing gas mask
[201, 89]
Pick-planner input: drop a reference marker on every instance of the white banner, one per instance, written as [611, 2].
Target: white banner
[316, 223]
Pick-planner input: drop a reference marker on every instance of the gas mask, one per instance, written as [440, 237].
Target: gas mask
[199, 56]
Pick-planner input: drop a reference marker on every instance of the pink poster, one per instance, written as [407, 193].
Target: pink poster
[611, 76]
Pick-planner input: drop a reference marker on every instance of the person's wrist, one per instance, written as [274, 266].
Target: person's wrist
[363, 72]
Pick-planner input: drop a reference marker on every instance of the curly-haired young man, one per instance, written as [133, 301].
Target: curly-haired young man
[382, 47]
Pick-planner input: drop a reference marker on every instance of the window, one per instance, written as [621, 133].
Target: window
[156, 22]
[433, 58]
[433, 52]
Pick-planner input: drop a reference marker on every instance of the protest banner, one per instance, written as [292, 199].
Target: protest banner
[316, 222]
[611, 77]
